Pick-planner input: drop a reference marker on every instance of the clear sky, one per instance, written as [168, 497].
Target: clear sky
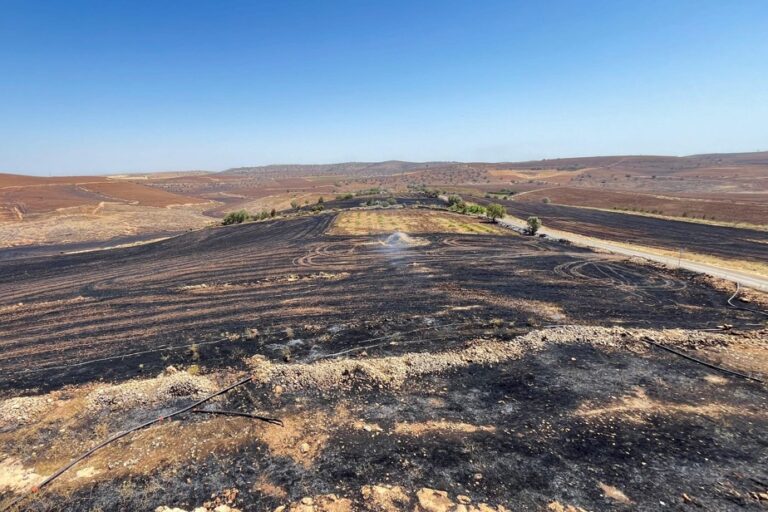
[117, 86]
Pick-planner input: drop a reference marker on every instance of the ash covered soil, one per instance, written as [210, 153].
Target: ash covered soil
[420, 371]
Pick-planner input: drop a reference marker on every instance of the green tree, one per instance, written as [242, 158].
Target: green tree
[237, 217]
[534, 223]
[495, 211]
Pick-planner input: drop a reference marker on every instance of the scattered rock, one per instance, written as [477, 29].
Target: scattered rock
[148, 392]
[385, 498]
[18, 411]
[430, 500]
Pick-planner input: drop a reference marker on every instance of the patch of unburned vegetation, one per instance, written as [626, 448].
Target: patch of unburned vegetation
[378, 222]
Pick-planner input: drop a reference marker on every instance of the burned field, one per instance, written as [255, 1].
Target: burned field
[513, 372]
[720, 241]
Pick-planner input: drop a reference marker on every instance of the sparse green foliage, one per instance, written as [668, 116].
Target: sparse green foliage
[348, 195]
[475, 209]
[456, 203]
[318, 208]
[237, 217]
[454, 199]
[545, 200]
[534, 224]
[495, 211]
[320, 200]
[295, 205]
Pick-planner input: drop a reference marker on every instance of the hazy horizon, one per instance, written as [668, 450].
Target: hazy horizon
[107, 88]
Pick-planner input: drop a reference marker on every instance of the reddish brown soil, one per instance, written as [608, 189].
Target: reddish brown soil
[139, 194]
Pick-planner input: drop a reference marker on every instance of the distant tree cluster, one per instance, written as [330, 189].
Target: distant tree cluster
[241, 216]
[237, 217]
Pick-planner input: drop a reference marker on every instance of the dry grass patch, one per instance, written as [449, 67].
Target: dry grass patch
[638, 407]
[440, 427]
[379, 222]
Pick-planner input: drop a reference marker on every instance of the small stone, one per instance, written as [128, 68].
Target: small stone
[304, 449]
[478, 476]
[464, 499]
[307, 500]
[431, 500]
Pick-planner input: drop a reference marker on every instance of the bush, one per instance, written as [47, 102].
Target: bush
[345, 196]
[295, 205]
[318, 208]
[476, 209]
[545, 200]
[272, 213]
[495, 211]
[237, 217]
[454, 200]
[534, 223]
[320, 200]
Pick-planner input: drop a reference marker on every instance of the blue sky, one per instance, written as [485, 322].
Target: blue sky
[111, 86]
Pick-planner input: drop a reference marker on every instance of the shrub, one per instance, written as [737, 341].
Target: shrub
[476, 209]
[455, 199]
[318, 208]
[545, 200]
[495, 211]
[237, 217]
[295, 205]
[272, 213]
[320, 200]
[534, 223]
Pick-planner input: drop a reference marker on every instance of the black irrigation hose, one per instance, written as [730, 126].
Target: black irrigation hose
[273, 421]
[120, 435]
[730, 302]
[695, 360]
